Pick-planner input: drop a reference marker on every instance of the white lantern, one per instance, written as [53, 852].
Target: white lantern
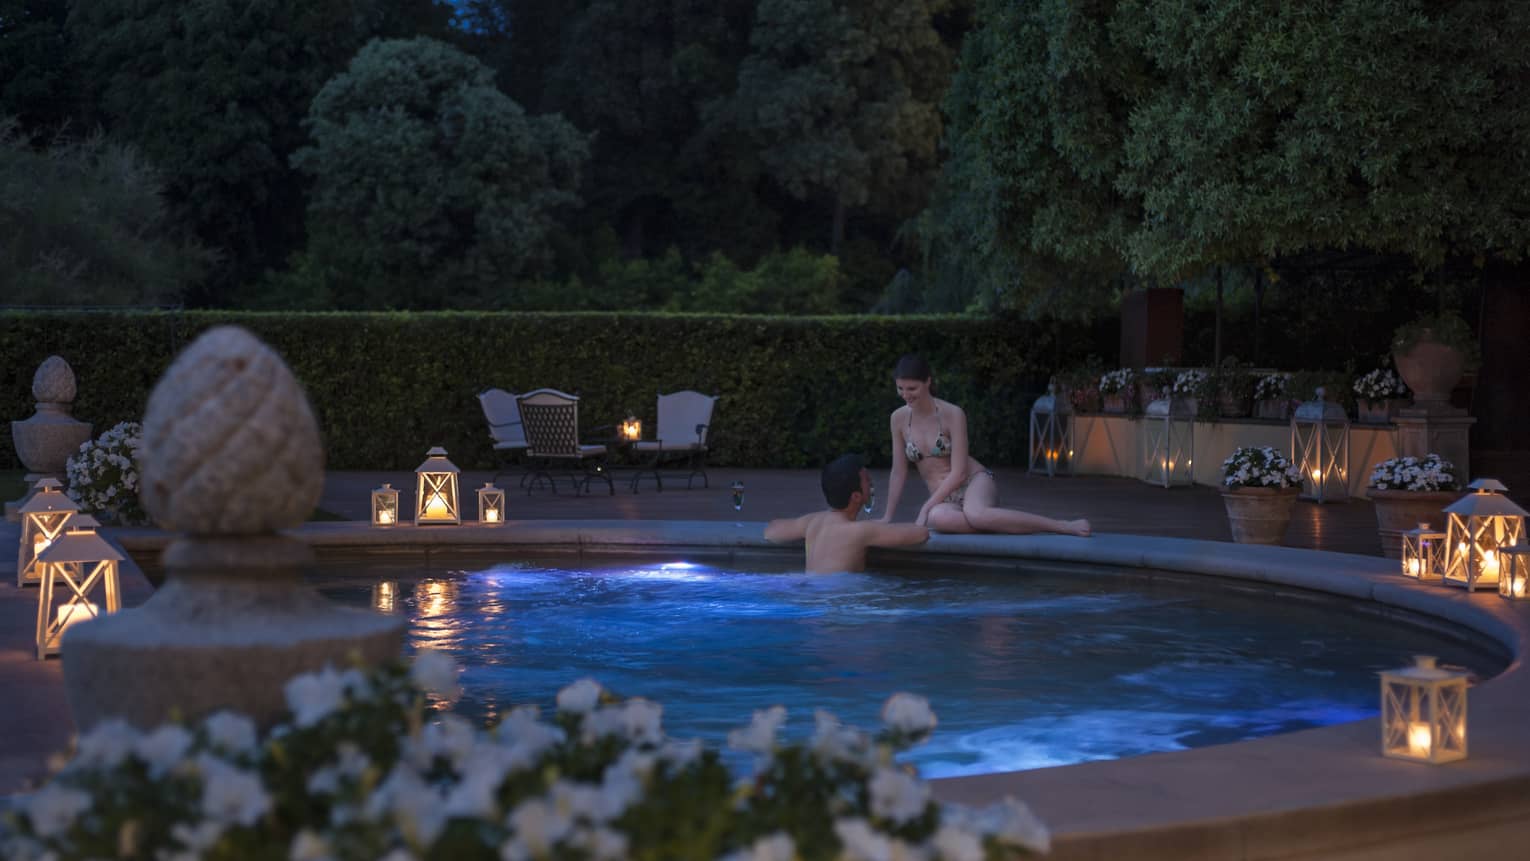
[632, 429]
[1514, 572]
[73, 565]
[42, 521]
[1423, 554]
[385, 505]
[491, 504]
[1480, 525]
[1168, 442]
[1423, 712]
[436, 499]
[1051, 434]
[1320, 447]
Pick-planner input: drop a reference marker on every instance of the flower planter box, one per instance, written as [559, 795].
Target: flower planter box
[1116, 403]
[1278, 409]
[1259, 515]
[1397, 511]
[1378, 412]
[1232, 406]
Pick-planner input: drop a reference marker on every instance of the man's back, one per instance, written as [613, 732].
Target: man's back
[836, 543]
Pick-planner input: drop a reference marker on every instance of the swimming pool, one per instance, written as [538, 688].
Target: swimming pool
[1026, 667]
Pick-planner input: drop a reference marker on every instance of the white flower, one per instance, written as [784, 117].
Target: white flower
[773, 847]
[539, 826]
[418, 812]
[522, 728]
[435, 672]
[861, 843]
[637, 719]
[398, 855]
[601, 844]
[956, 844]
[908, 713]
[231, 795]
[53, 809]
[313, 696]
[579, 697]
[230, 732]
[106, 745]
[198, 838]
[681, 754]
[897, 796]
[832, 742]
[163, 748]
[760, 736]
[1011, 822]
[308, 846]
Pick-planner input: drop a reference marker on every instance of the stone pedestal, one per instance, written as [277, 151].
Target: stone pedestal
[45, 441]
[1443, 430]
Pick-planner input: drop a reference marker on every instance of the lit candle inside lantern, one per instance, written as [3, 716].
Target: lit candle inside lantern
[1420, 739]
[435, 506]
[75, 611]
[1490, 563]
[1519, 588]
[384, 516]
[1317, 475]
[41, 543]
[1414, 568]
[491, 515]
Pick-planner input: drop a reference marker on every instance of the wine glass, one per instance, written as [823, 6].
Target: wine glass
[871, 496]
[738, 495]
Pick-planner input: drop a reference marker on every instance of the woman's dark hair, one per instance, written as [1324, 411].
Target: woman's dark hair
[841, 478]
[911, 367]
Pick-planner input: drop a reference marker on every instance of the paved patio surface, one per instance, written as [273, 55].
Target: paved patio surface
[36, 722]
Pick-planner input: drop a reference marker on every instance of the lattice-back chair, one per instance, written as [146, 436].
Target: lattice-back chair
[551, 419]
[685, 419]
[506, 429]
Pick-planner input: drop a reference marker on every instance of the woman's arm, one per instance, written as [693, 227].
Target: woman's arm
[956, 429]
[899, 472]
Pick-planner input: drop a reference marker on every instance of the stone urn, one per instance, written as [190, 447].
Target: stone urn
[1115, 404]
[1397, 511]
[230, 457]
[45, 441]
[1259, 515]
[1431, 369]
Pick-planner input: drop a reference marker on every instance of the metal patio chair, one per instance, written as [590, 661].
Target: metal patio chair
[551, 419]
[684, 419]
[505, 428]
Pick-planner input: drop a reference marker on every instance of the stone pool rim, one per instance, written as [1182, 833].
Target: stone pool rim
[1311, 793]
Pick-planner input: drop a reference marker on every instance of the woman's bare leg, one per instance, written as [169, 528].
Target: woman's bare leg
[949, 518]
[984, 516]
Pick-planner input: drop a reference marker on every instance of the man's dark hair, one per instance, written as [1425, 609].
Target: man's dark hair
[841, 478]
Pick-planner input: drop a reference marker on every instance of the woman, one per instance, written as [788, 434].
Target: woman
[932, 435]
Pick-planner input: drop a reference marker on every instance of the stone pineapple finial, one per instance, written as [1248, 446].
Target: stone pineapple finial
[230, 446]
[54, 382]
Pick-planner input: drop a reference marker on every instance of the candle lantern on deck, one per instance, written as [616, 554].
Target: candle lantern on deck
[1320, 444]
[1168, 442]
[1423, 554]
[436, 499]
[385, 506]
[1051, 434]
[491, 504]
[42, 521]
[1423, 712]
[632, 429]
[73, 565]
[1514, 572]
[1480, 524]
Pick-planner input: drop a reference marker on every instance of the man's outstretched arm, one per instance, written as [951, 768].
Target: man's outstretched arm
[786, 529]
[897, 534]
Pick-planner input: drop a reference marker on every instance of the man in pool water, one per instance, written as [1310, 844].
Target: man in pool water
[836, 541]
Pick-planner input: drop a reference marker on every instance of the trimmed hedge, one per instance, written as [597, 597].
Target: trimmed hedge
[387, 386]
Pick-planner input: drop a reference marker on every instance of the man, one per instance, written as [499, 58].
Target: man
[835, 540]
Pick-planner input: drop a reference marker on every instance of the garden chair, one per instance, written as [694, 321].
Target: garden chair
[684, 420]
[505, 428]
[551, 419]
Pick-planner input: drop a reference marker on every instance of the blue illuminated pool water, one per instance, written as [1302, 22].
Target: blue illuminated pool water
[1024, 669]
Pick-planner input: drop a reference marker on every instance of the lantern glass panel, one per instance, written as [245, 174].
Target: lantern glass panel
[1051, 437]
[436, 498]
[1514, 572]
[1423, 553]
[77, 564]
[385, 506]
[43, 519]
[1168, 442]
[491, 504]
[632, 429]
[1320, 448]
[1423, 713]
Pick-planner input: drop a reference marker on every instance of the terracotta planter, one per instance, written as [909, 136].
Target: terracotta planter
[1232, 406]
[1259, 515]
[1278, 409]
[1430, 369]
[1378, 412]
[1115, 403]
[1397, 511]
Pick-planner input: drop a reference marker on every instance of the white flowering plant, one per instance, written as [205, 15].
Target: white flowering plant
[1256, 466]
[1117, 381]
[103, 475]
[1380, 384]
[1190, 384]
[1272, 387]
[357, 770]
[1428, 473]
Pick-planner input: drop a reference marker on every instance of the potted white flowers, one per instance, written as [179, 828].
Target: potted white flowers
[1408, 491]
[1272, 397]
[103, 476]
[1259, 487]
[1190, 386]
[1117, 388]
[1378, 395]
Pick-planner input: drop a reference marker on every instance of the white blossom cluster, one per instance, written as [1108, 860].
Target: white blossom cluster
[356, 772]
[1117, 381]
[103, 474]
[1190, 384]
[1272, 387]
[1428, 473]
[1252, 466]
[1380, 384]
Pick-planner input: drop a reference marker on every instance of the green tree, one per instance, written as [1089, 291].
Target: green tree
[432, 188]
[84, 222]
[214, 93]
[36, 78]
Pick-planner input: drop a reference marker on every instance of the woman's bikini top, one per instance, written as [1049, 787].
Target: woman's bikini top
[941, 447]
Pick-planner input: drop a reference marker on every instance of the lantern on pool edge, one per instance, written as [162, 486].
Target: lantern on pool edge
[385, 506]
[1051, 434]
[76, 563]
[632, 429]
[1480, 524]
[1168, 442]
[1514, 572]
[1423, 554]
[1423, 712]
[1320, 446]
[42, 521]
[491, 504]
[436, 499]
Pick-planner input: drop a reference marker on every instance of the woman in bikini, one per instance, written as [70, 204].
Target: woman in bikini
[931, 434]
